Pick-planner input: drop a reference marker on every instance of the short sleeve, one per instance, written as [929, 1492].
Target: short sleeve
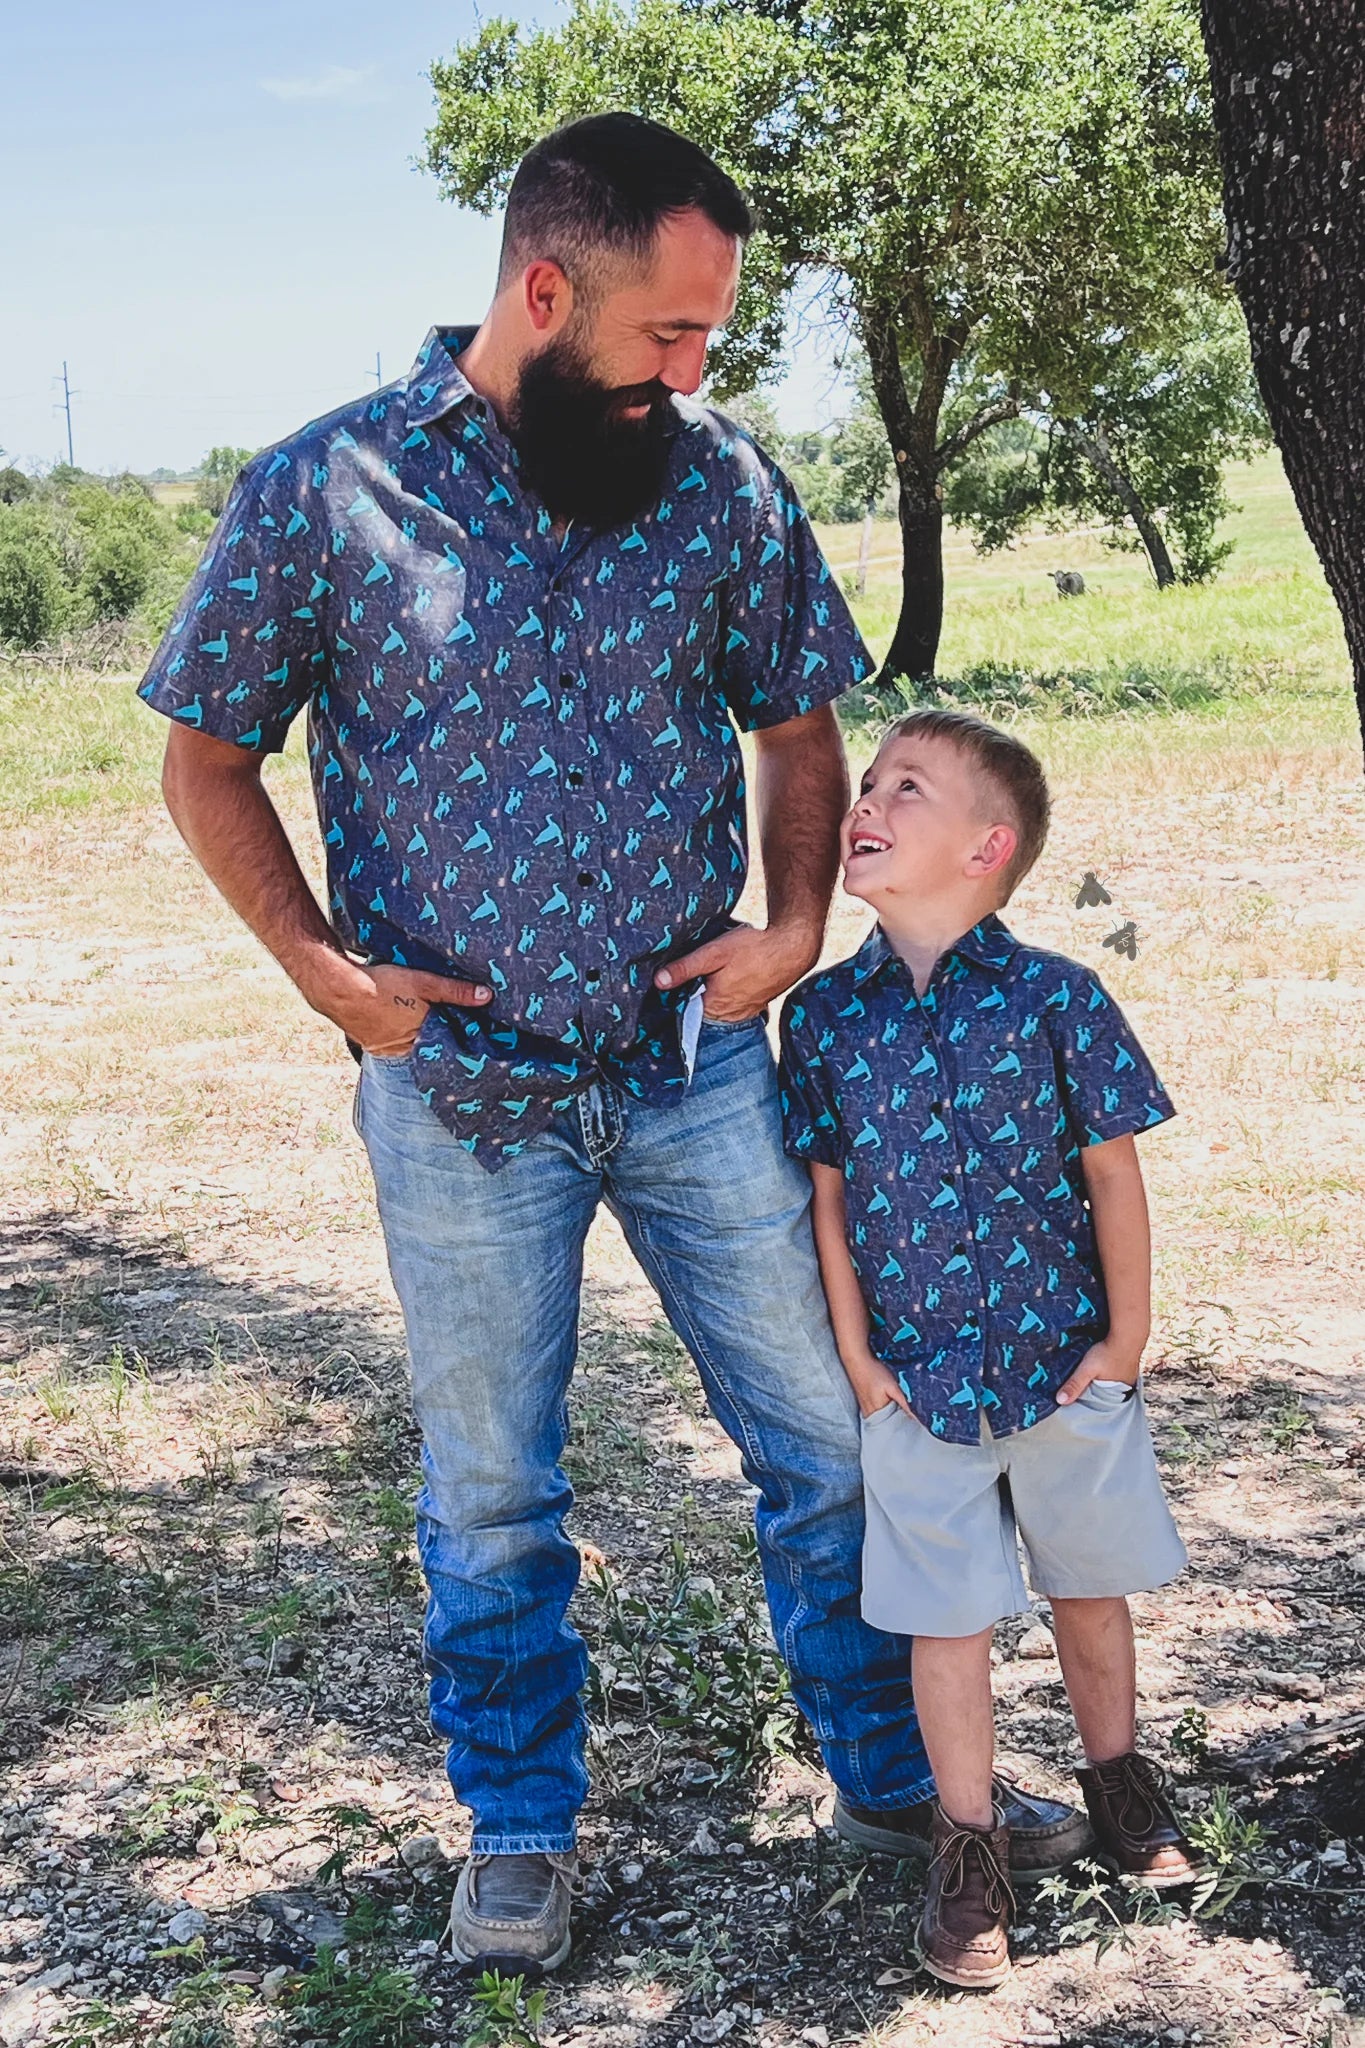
[1112, 1089]
[811, 1127]
[245, 649]
[791, 643]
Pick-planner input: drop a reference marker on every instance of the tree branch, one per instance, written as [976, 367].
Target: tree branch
[980, 423]
[1096, 449]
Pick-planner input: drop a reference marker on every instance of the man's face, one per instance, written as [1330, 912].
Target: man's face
[591, 415]
[919, 819]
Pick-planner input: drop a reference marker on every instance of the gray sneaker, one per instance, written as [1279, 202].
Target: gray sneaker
[511, 1913]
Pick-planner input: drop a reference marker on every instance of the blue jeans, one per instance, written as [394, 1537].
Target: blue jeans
[488, 1268]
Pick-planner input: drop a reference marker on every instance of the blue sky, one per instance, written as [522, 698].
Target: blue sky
[212, 215]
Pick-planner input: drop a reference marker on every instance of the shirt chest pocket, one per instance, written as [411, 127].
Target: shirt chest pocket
[664, 621]
[1004, 1088]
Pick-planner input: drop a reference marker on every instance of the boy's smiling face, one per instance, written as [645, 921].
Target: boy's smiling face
[923, 825]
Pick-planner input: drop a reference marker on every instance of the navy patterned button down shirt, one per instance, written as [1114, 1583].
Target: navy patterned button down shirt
[958, 1119]
[523, 745]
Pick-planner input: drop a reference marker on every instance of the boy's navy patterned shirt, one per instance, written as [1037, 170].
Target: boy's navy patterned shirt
[958, 1119]
[523, 746]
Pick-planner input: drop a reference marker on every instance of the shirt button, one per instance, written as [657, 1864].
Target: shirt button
[586, 880]
[592, 982]
[574, 778]
[567, 678]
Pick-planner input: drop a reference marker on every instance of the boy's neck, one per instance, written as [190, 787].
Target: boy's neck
[921, 937]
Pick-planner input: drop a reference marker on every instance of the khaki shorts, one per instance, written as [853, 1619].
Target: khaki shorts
[941, 1555]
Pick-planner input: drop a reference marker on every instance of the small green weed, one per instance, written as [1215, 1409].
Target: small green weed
[360, 2008]
[100, 2025]
[55, 1392]
[1235, 1850]
[1089, 1913]
[177, 1815]
[509, 2015]
[1189, 1739]
[695, 1663]
[354, 1830]
[1286, 1425]
[390, 1514]
[161, 1626]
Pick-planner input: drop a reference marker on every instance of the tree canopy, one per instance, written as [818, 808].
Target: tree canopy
[1142, 450]
[1005, 179]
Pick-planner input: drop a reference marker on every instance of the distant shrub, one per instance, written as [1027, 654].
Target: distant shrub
[218, 472]
[34, 600]
[1000, 690]
[194, 520]
[117, 572]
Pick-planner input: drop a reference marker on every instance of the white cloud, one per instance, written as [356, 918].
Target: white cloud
[333, 82]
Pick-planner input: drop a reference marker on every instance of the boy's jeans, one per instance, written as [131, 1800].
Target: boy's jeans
[487, 1267]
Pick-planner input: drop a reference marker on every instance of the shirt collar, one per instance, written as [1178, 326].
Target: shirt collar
[436, 382]
[988, 944]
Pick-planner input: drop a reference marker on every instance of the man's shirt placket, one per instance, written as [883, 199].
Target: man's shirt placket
[585, 958]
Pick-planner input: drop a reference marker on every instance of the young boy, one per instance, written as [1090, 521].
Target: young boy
[967, 1105]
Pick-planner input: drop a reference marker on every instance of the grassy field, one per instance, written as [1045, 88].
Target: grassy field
[210, 1690]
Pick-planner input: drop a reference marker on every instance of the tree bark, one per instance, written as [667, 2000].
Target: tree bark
[912, 431]
[1289, 104]
[1097, 451]
[914, 644]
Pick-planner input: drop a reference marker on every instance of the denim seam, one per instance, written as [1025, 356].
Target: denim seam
[673, 1303]
[523, 1845]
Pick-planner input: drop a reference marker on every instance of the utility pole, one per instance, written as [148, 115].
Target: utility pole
[378, 372]
[65, 406]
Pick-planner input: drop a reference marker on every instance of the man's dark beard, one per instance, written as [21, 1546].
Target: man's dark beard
[579, 456]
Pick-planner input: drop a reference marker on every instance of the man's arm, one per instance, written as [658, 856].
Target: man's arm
[802, 793]
[214, 792]
[1123, 1240]
[874, 1383]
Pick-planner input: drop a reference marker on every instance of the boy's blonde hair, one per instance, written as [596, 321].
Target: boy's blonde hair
[1009, 774]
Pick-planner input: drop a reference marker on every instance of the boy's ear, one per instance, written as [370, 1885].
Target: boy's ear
[996, 850]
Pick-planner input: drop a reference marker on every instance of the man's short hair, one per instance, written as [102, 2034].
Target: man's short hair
[1008, 773]
[595, 192]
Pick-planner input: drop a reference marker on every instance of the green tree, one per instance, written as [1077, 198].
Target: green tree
[33, 598]
[1141, 447]
[987, 181]
[119, 534]
[218, 473]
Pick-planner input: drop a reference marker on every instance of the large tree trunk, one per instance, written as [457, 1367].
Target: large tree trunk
[1289, 102]
[912, 431]
[914, 645]
[1097, 451]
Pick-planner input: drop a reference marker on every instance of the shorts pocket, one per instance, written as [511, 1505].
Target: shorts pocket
[1110, 1393]
[879, 1415]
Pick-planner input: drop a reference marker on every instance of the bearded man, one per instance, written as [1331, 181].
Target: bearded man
[528, 593]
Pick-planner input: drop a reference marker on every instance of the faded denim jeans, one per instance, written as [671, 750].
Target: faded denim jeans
[488, 1268]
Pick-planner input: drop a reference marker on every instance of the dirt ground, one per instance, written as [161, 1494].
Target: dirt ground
[214, 1751]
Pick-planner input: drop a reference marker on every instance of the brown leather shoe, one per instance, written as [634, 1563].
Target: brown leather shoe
[964, 1928]
[1135, 1825]
[511, 1913]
